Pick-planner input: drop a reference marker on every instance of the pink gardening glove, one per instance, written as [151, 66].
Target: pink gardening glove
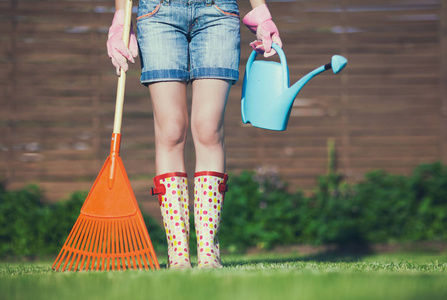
[115, 46]
[259, 21]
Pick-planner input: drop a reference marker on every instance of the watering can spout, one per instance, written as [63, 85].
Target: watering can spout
[337, 64]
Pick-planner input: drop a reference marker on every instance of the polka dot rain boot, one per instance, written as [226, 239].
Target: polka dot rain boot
[172, 191]
[210, 188]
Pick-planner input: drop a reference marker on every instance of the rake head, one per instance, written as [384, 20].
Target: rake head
[110, 233]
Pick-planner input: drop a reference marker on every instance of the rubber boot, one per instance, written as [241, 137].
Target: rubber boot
[172, 191]
[210, 188]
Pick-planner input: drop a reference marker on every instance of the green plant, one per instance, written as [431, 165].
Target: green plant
[429, 185]
[257, 208]
[381, 208]
[335, 212]
[21, 221]
[385, 202]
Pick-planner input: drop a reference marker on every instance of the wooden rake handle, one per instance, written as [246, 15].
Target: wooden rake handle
[122, 79]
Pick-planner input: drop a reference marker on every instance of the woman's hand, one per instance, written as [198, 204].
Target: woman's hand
[116, 49]
[259, 21]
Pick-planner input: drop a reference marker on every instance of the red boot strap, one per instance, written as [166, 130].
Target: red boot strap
[158, 190]
[209, 173]
[223, 186]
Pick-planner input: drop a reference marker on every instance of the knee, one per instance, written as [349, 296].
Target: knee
[207, 132]
[171, 133]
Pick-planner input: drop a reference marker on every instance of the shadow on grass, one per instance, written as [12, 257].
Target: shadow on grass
[337, 254]
[341, 254]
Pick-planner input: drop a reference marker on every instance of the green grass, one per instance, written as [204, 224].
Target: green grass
[267, 276]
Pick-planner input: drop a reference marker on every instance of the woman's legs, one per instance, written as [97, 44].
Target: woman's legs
[171, 186]
[207, 126]
[171, 123]
[207, 123]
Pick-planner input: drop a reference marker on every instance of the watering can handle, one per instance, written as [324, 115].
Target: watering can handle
[282, 57]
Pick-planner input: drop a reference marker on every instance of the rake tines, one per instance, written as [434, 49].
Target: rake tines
[103, 245]
[110, 233]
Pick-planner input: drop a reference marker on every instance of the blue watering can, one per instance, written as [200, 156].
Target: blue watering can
[267, 98]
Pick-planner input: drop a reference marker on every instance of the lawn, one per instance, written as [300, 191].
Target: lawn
[266, 276]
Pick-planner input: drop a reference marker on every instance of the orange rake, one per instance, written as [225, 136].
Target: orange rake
[110, 233]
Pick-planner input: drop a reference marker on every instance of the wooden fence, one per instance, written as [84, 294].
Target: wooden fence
[387, 110]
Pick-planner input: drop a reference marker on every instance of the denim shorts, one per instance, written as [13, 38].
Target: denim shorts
[183, 40]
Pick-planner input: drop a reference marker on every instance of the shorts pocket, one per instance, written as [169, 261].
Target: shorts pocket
[148, 11]
[228, 9]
